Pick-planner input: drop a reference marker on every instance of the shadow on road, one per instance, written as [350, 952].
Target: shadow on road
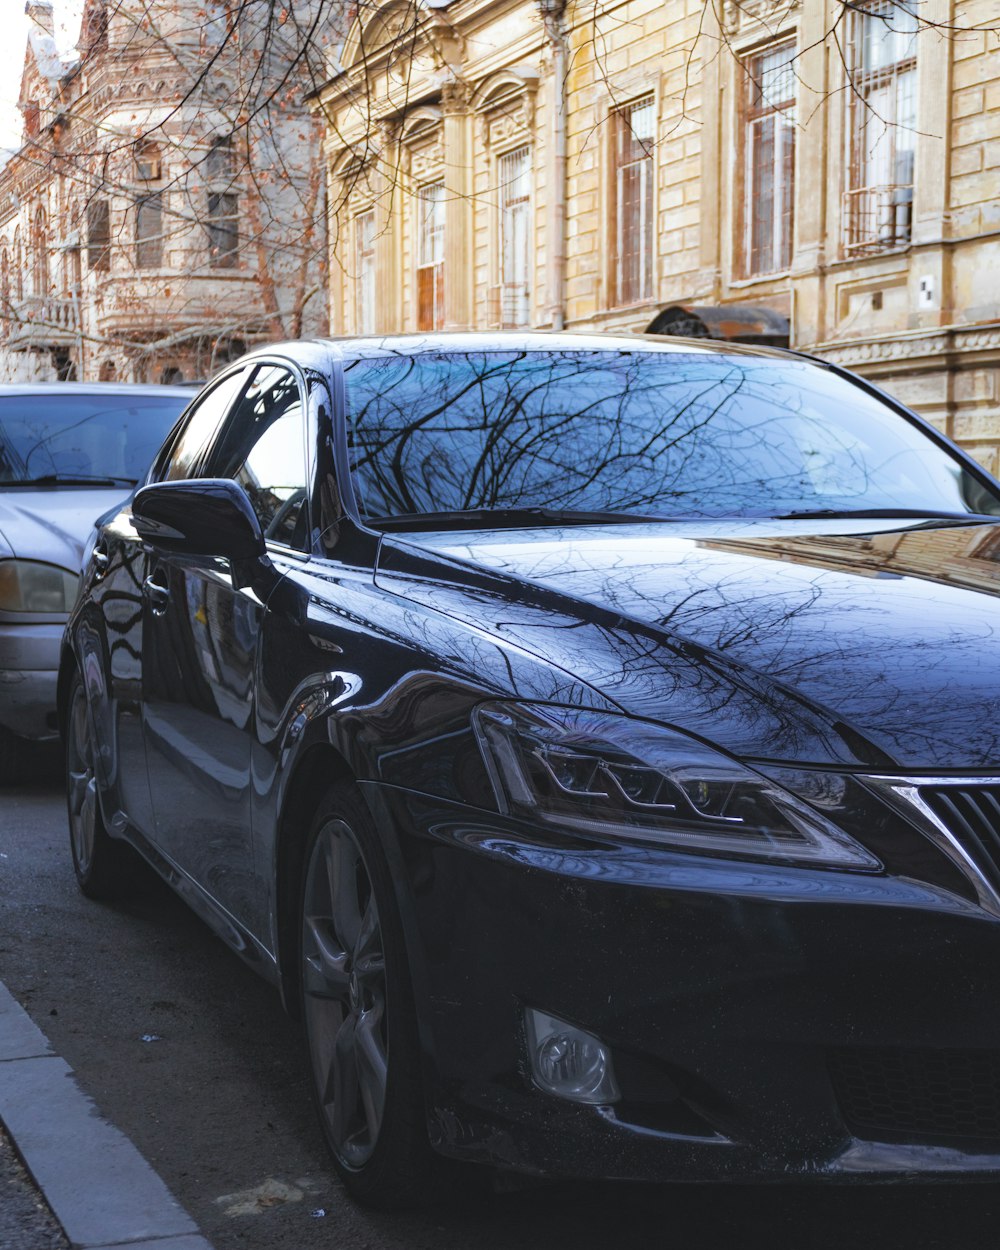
[218, 1101]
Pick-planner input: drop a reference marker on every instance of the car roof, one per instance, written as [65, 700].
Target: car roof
[94, 388]
[520, 341]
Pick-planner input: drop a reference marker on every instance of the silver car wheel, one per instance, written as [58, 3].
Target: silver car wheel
[344, 993]
[82, 782]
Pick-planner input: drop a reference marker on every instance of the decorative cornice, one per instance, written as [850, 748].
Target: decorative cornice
[740, 15]
[930, 346]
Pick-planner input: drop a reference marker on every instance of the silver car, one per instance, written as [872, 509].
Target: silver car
[68, 453]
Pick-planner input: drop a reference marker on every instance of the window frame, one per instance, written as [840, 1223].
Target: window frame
[526, 203]
[217, 442]
[861, 198]
[99, 241]
[620, 118]
[220, 224]
[365, 318]
[212, 444]
[753, 114]
[149, 246]
[430, 270]
[165, 455]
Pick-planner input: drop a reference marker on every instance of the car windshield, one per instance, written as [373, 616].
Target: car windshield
[664, 434]
[79, 439]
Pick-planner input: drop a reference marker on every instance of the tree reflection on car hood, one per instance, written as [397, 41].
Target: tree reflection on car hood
[833, 641]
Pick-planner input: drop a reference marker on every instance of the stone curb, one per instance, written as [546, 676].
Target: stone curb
[98, 1186]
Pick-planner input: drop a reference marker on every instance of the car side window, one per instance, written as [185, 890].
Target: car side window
[263, 449]
[185, 457]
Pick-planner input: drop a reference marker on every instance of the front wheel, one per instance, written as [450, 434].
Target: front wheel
[358, 1013]
[105, 867]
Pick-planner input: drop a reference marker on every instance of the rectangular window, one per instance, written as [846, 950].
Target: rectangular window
[364, 262]
[430, 257]
[514, 170]
[634, 128]
[149, 231]
[770, 160]
[881, 125]
[219, 161]
[223, 230]
[99, 235]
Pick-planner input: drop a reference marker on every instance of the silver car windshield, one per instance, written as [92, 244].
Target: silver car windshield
[78, 439]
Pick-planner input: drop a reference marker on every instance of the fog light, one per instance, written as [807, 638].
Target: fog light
[568, 1062]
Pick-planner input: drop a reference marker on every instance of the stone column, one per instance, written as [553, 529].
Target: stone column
[931, 189]
[388, 231]
[458, 266]
[817, 178]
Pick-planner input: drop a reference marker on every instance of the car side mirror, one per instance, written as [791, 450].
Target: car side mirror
[204, 517]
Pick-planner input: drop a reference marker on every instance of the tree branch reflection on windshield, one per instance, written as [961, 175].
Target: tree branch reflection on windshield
[664, 434]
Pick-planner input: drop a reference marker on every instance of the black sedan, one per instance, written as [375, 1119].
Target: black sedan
[597, 741]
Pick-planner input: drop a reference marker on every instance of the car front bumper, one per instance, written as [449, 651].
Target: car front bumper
[765, 1021]
[29, 669]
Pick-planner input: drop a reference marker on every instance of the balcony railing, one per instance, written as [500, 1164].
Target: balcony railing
[509, 306]
[877, 218]
[40, 321]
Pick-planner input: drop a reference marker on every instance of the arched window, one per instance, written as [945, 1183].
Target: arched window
[107, 371]
[40, 253]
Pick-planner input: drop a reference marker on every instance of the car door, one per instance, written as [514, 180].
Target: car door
[122, 561]
[200, 648]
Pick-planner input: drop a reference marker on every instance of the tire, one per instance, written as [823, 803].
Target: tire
[105, 867]
[357, 1011]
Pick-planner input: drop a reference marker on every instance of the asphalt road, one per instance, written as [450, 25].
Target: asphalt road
[187, 1052]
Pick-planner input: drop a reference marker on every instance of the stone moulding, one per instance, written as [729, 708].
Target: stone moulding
[930, 346]
[738, 15]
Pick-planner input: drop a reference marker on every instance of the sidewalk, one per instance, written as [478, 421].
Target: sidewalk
[83, 1183]
[26, 1223]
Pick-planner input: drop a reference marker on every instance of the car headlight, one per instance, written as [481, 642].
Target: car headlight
[613, 776]
[30, 586]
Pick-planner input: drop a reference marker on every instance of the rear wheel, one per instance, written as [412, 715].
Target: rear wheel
[104, 866]
[357, 1009]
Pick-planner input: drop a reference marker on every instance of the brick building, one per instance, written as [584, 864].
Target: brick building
[797, 170]
[153, 224]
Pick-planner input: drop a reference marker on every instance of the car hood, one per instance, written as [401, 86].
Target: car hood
[53, 523]
[820, 642]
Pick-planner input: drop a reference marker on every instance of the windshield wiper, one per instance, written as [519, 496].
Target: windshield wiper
[490, 518]
[72, 479]
[882, 514]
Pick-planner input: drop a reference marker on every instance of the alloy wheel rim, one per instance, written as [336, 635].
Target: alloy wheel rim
[82, 782]
[343, 970]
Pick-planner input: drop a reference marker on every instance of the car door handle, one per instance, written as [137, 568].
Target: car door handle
[101, 560]
[158, 596]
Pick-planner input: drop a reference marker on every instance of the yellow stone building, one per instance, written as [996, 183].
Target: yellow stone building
[796, 169]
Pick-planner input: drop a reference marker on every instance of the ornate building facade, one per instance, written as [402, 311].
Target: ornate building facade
[158, 219]
[800, 170]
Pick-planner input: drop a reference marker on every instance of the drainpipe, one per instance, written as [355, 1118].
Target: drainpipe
[552, 12]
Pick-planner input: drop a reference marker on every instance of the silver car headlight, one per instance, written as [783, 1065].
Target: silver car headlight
[613, 776]
[30, 586]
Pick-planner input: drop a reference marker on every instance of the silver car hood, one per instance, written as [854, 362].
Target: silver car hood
[52, 523]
